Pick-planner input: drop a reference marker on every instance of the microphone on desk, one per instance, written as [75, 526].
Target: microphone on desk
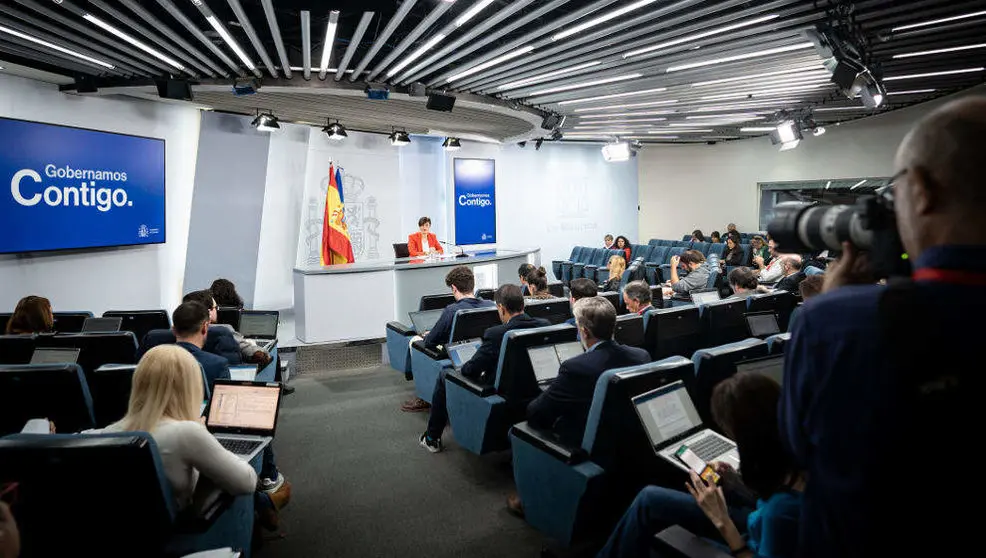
[459, 254]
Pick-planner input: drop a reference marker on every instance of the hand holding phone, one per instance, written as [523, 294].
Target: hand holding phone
[704, 471]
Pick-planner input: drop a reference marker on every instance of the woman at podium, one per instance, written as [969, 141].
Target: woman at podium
[423, 242]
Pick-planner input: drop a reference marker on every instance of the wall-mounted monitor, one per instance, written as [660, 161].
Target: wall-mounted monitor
[64, 188]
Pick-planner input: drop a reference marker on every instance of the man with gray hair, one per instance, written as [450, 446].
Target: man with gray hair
[882, 384]
[793, 276]
[564, 406]
[637, 297]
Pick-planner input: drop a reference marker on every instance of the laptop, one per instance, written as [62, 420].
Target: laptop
[55, 355]
[762, 324]
[772, 366]
[671, 421]
[547, 359]
[101, 325]
[424, 320]
[259, 327]
[243, 415]
[705, 297]
[460, 353]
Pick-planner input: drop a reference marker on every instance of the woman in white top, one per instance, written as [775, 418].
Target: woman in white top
[165, 401]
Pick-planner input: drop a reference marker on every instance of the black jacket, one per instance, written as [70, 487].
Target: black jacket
[734, 257]
[791, 282]
[484, 362]
[564, 406]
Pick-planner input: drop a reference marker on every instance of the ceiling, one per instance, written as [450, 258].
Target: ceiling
[655, 70]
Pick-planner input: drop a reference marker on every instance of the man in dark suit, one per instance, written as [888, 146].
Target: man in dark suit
[579, 289]
[482, 366]
[793, 276]
[221, 339]
[190, 322]
[564, 406]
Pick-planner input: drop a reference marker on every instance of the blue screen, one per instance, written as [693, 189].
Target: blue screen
[66, 188]
[475, 201]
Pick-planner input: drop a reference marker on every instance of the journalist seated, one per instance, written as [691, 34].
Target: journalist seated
[482, 366]
[743, 282]
[190, 322]
[745, 407]
[577, 290]
[637, 297]
[793, 276]
[463, 284]
[564, 405]
[698, 273]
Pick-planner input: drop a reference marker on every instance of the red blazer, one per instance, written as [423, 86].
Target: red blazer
[414, 244]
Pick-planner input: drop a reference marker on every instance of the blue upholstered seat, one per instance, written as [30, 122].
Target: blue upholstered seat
[481, 414]
[777, 343]
[135, 510]
[556, 265]
[718, 363]
[724, 322]
[571, 493]
[398, 347]
[673, 331]
[426, 363]
[781, 303]
[58, 392]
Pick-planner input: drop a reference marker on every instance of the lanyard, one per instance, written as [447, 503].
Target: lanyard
[953, 276]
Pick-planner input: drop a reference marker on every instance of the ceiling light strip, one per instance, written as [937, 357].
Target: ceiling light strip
[55, 47]
[738, 57]
[937, 21]
[601, 19]
[614, 96]
[631, 105]
[492, 62]
[543, 77]
[939, 51]
[912, 92]
[813, 67]
[251, 34]
[330, 37]
[472, 12]
[697, 36]
[935, 74]
[141, 45]
[582, 84]
[416, 54]
[413, 35]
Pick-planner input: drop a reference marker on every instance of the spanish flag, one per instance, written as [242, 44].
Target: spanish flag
[336, 246]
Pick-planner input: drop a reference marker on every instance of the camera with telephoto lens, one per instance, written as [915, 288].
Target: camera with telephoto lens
[870, 225]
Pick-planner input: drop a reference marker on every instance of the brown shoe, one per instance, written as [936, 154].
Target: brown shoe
[270, 517]
[282, 496]
[515, 506]
[415, 405]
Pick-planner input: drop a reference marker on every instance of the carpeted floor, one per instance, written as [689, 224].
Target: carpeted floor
[362, 486]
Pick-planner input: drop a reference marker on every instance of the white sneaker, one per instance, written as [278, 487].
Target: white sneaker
[272, 485]
[434, 446]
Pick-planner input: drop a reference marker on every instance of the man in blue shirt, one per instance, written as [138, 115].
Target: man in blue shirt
[463, 284]
[886, 478]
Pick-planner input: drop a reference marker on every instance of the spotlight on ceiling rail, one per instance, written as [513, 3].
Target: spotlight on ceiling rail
[845, 60]
[451, 144]
[265, 122]
[400, 138]
[335, 131]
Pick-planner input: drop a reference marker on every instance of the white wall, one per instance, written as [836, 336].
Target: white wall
[561, 196]
[708, 186]
[120, 278]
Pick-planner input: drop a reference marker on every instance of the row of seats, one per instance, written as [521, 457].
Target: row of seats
[439, 301]
[585, 262]
[571, 493]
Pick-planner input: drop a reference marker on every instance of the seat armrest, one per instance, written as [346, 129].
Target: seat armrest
[478, 388]
[209, 503]
[549, 443]
[553, 262]
[434, 354]
[680, 542]
[401, 329]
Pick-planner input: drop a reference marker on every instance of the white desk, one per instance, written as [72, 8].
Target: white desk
[352, 302]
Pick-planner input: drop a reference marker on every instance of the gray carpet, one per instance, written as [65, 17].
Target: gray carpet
[363, 487]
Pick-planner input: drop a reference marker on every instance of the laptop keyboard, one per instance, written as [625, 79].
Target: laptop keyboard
[710, 447]
[239, 447]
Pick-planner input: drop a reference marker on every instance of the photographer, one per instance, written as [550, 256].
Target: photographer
[878, 384]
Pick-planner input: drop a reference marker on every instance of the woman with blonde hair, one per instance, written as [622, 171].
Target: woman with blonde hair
[617, 265]
[165, 401]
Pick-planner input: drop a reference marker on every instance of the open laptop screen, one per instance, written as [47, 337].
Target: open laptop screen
[568, 350]
[544, 361]
[101, 324]
[762, 324]
[424, 321]
[248, 406]
[55, 355]
[460, 353]
[769, 366]
[666, 412]
[258, 325]
[705, 297]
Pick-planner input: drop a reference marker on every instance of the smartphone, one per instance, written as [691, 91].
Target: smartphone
[695, 463]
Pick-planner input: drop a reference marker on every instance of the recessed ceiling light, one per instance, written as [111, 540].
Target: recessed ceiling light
[933, 74]
[737, 57]
[582, 84]
[697, 36]
[939, 51]
[936, 21]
